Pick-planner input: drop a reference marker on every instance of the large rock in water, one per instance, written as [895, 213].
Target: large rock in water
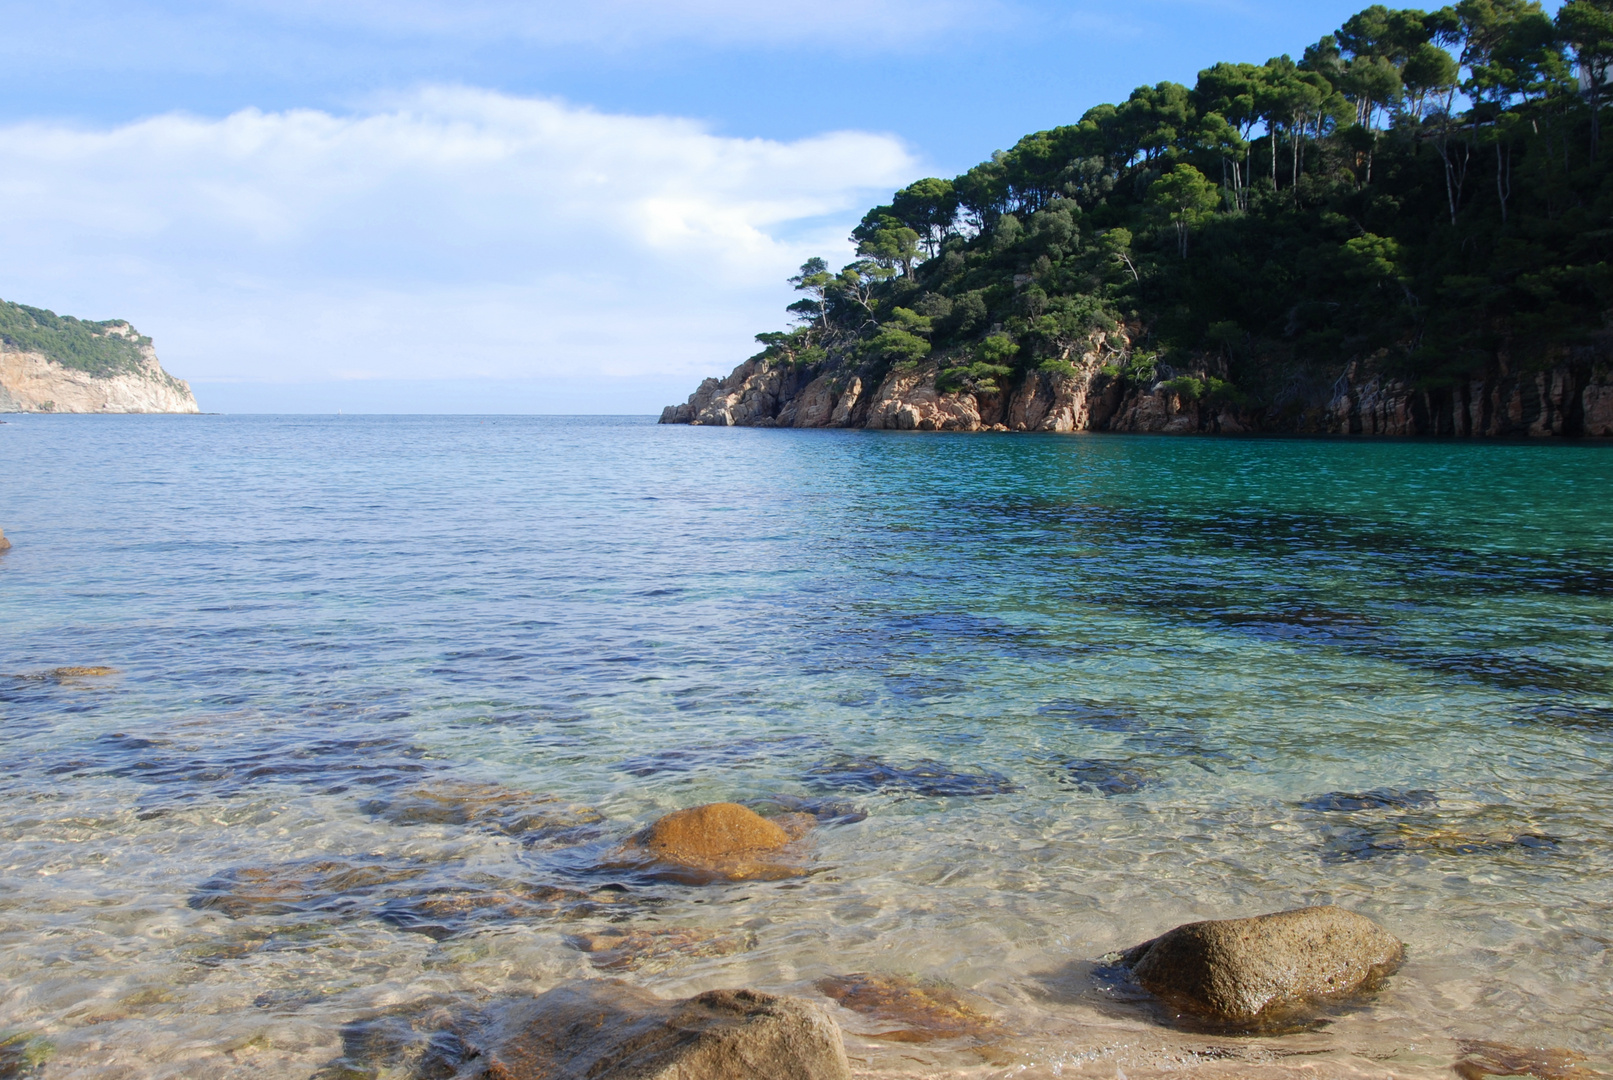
[721, 841]
[612, 1031]
[1268, 971]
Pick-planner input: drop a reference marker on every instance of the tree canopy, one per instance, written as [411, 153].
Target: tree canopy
[1421, 190]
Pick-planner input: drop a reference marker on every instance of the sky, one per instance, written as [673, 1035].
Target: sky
[495, 206]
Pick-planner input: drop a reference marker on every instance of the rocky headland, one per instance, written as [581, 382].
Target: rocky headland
[59, 364]
[1570, 399]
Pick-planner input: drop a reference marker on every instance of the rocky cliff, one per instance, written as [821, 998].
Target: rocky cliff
[1574, 398]
[32, 381]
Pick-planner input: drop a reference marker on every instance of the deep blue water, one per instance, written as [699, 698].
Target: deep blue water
[1084, 688]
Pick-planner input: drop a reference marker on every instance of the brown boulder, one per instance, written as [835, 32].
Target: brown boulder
[612, 1031]
[1267, 972]
[721, 841]
[5, 545]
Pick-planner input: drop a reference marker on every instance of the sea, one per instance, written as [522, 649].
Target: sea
[387, 693]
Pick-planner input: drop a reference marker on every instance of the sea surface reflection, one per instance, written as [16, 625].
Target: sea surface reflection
[390, 691]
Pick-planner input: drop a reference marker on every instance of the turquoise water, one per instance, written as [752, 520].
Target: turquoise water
[1084, 689]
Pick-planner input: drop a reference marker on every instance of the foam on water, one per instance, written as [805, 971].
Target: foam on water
[1047, 697]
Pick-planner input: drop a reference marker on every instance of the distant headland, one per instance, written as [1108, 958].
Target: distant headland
[1400, 233]
[56, 363]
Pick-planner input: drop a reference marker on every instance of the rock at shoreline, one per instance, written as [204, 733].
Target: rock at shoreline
[722, 841]
[612, 1031]
[919, 1013]
[1266, 972]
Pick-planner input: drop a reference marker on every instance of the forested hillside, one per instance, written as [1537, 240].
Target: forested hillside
[1423, 192]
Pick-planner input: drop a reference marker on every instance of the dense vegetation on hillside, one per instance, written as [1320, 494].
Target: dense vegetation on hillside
[1426, 191]
[70, 342]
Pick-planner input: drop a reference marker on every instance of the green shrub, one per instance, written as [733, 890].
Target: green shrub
[72, 343]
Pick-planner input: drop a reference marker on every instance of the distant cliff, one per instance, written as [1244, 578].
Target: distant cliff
[1103, 387]
[56, 363]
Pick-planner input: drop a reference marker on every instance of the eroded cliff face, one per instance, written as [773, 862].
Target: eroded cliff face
[29, 382]
[1573, 399]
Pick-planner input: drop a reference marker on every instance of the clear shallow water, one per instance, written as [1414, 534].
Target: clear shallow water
[1141, 671]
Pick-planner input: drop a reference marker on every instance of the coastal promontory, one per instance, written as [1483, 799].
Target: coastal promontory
[53, 363]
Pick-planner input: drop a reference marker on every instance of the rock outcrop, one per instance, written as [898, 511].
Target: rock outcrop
[32, 382]
[1268, 971]
[612, 1031]
[1574, 398]
[5, 545]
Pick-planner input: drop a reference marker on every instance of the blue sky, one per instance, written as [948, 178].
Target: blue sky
[483, 205]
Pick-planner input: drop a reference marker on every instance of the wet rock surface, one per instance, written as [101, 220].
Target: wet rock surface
[909, 1011]
[1481, 1060]
[612, 1031]
[720, 841]
[930, 779]
[629, 949]
[488, 806]
[1268, 973]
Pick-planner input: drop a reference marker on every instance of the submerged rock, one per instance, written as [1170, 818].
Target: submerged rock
[307, 885]
[618, 949]
[930, 779]
[62, 673]
[453, 909]
[822, 811]
[1270, 972]
[1490, 832]
[721, 841]
[1335, 802]
[1107, 777]
[489, 806]
[1481, 1060]
[920, 1013]
[611, 1031]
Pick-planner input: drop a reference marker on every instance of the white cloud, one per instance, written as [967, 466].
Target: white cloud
[450, 233]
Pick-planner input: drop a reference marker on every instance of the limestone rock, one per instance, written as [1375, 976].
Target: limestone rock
[31, 382]
[611, 1031]
[1268, 971]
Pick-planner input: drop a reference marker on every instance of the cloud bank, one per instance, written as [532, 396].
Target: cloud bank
[452, 233]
